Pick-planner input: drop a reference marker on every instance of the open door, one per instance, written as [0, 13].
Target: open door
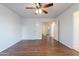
[48, 30]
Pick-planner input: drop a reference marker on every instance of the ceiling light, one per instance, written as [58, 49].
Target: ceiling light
[38, 11]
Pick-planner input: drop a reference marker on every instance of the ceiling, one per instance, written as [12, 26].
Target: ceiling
[53, 11]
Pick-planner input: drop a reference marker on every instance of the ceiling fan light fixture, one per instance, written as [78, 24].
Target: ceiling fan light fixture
[38, 11]
[40, 8]
[37, 4]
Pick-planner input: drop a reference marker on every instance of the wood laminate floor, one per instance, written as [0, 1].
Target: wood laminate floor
[39, 48]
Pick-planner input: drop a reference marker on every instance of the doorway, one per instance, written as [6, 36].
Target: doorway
[48, 31]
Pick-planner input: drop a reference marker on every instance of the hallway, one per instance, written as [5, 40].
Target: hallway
[38, 48]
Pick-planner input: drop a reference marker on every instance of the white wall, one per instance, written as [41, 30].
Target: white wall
[76, 27]
[14, 28]
[56, 29]
[32, 27]
[69, 27]
[9, 28]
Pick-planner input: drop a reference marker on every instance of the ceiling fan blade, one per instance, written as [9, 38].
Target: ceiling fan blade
[45, 11]
[30, 7]
[48, 5]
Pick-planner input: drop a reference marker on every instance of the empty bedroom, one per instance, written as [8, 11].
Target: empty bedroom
[39, 29]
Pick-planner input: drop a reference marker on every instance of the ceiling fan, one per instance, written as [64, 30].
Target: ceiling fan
[40, 7]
